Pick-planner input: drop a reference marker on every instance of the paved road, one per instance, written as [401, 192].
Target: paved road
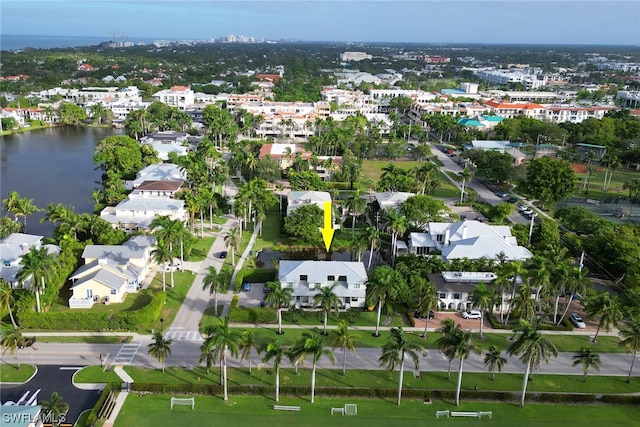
[185, 353]
[54, 378]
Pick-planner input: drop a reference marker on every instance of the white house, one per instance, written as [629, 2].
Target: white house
[12, 248]
[136, 213]
[295, 199]
[306, 278]
[111, 271]
[467, 239]
[392, 199]
[157, 172]
[165, 142]
[178, 96]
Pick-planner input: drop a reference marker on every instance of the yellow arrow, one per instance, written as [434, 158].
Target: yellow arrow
[327, 231]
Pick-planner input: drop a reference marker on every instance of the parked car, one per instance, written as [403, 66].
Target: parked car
[246, 287]
[176, 266]
[418, 315]
[28, 342]
[512, 200]
[471, 314]
[223, 254]
[577, 320]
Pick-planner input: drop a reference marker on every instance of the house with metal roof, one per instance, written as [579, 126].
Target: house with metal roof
[12, 248]
[307, 278]
[295, 199]
[157, 172]
[168, 141]
[467, 239]
[136, 213]
[391, 199]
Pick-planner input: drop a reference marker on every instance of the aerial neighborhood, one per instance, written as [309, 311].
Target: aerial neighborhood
[293, 201]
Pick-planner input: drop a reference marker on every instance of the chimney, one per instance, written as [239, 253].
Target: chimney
[446, 236]
[24, 247]
[464, 232]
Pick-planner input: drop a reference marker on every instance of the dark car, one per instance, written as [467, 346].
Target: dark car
[28, 342]
[512, 200]
[246, 287]
[418, 315]
[223, 254]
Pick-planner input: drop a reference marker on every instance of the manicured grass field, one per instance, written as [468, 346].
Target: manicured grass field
[9, 373]
[95, 374]
[239, 411]
[620, 176]
[201, 247]
[175, 296]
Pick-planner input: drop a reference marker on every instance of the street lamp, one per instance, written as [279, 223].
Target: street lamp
[533, 217]
[101, 364]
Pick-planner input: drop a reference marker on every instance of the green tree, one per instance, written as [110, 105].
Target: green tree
[428, 302]
[11, 341]
[549, 180]
[483, 298]
[630, 339]
[605, 306]
[304, 223]
[280, 298]
[274, 351]
[160, 348]
[312, 344]
[162, 256]
[421, 210]
[394, 352]
[214, 281]
[247, 343]
[494, 361]
[326, 299]
[232, 240]
[7, 300]
[345, 341]
[120, 154]
[220, 341]
[588, 359]
[71, 114]
[380, 289]
[56, 407]
[37, 266]
[532, 348]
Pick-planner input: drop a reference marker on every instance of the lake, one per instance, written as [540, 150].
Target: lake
[52, 166]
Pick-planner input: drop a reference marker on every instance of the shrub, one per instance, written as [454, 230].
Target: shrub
[92, 419]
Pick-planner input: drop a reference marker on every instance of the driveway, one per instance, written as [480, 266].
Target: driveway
[54, 378]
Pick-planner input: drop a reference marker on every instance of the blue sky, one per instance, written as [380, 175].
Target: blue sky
[445, 21]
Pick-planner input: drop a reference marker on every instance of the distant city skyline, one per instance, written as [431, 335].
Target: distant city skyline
[585, 22]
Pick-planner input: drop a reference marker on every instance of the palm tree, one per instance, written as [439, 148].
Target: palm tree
[274, 351]
[397, 224]
[160, 348]
[232, 240]
[458, 343]
[514, 270]
[6, 299]
[428, 302]
[464, 176]
[606, 306]
[327, 299]
[247, 343]
[380, 287]
[11, 341]
[214, 281]
[355, 205]
[220, 341]
[447, 326]
[578, 281]
[394, 352]
[162, 255]
[38, 266]
[483, 298]
[494, 361]
[532, 348]
[373, 236]
[312, 344]
[588, 359]
[56, 406]
[346, 341]
[630, 335]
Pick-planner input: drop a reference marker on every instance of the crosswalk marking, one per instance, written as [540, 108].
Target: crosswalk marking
[126, 354]
[183, 335]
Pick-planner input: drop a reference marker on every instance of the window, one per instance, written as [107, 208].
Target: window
[355, 286]
[456, 295]
[331, 278]
[303, 277]
[113, 292]
[439, 238]
[354, 299]
[442, 295]
[342, 278]
[6, 263]
[288, 285]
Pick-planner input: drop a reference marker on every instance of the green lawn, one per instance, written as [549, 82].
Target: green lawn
[363, 318]
[175, 296]
[240, 411]
[9, 373]
[95, 374]
[620, 176]
[97, 339]
[201, 247]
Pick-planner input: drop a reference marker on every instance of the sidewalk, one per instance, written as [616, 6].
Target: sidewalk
[120, 398]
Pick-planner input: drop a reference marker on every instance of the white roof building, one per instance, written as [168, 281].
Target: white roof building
[295, 199]
[136, 214]
[392, 199]
[157, 172]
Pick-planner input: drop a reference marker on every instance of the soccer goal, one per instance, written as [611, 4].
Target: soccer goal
[183, 401]
[351, 409]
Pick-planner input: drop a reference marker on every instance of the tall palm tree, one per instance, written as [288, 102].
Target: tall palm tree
[221, 340]
[232, 240]
[160, 348]
[280, 298]
[397, 224]
[6, 300]
[326, 300]
[427, 303]
[11, 341]
[247, 343]
[394, 352]
[606, 306]
[380, 287]
[56, 407]
[483, 298]
[588, 359]
[578, 282]
[312, 344]
[630, 339]
[514, 270]
[38, 266]
[214, 281]
[494, 361]
[465, 177]
[274, 351]
[458, 344]
[346, 341]
[373, 236]
[532, 348]
[356, 206]
[162, 256]
[446, 330]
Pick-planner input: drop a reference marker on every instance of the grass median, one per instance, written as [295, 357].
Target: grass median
[10, 373]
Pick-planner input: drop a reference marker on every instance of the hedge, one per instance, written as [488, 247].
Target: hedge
[76, 320]
[92, 419]
[564, 326]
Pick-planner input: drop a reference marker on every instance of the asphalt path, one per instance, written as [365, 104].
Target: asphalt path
[186, 353]
[48, 379]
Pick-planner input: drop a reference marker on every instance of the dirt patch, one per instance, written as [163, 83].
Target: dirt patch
[580, 168]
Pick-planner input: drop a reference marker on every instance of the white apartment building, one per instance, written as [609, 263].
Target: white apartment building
[574, 114]
[354, 56]
[181, 97]
[93, 94]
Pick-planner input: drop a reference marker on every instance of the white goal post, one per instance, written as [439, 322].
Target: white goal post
[351, 409]
[183, 401]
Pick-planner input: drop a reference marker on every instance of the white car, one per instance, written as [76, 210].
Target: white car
[577, 321]
[176, 266]
[471, 314]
